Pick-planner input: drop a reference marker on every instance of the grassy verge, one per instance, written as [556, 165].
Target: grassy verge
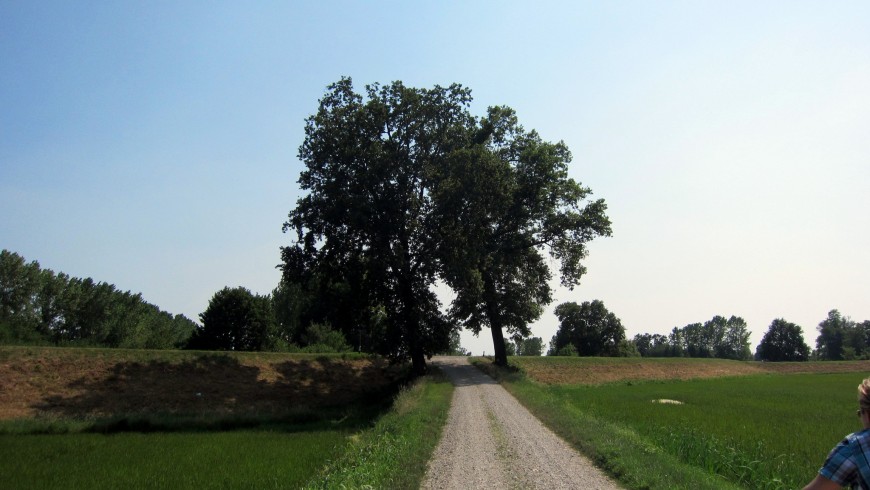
[763, 431]
[396, 451]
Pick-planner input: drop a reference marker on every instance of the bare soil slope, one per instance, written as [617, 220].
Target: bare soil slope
[71, 382]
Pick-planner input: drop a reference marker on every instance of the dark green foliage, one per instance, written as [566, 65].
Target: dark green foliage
[532, 346]
[716, 338]
[366, 220]
[589, 328]
[325, 300]
[236, 319]
[404, 186]
[840, 338]
[784, 341]
[38, 306]
[322, 338]
[652, 345]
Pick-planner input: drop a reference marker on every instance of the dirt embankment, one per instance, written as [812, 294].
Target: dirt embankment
[69, 382]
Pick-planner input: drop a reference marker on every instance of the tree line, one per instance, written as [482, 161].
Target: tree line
[839, 338]
[716, 338]
[39, 306]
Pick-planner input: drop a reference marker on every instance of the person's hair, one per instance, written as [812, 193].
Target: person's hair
[864, 394]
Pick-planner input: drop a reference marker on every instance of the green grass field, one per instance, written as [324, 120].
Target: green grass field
[238, 459]
[755, 431]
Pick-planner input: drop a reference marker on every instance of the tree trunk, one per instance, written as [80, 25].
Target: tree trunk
[495, 325]
[418, 362]
[498, 344]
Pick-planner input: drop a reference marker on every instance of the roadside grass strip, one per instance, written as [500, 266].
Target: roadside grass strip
[769, 431]
[395, 452]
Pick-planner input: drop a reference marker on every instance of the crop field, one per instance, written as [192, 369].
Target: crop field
[755, 426]
[236, 459]
[100, 418]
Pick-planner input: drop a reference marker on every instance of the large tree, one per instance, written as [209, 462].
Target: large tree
[503, 202]
[784, 341]
[367, 218]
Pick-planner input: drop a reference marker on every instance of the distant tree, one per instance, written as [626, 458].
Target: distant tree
[831, 344]
[676, 340]
[235, 319]
[784, 341]
[734, 343]
[627, 348]
[566, 350]
[652, 345]
[695, 341]
[38, 306]
[455, 348]
[322, 338]
[19, 285]
[589, 328]
[862, 337]
[532, 346]
[719, 337]
[287, 305]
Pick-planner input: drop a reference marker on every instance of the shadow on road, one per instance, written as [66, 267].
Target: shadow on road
[461, 373]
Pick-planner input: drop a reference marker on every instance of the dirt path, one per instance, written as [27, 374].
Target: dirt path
[491, 441]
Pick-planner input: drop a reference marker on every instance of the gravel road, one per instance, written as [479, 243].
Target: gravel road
[491, 441]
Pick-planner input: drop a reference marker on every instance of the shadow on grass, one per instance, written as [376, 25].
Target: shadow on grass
[217, 392]
[498, 373]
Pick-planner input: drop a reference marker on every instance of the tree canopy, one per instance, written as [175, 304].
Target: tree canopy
[783, 341]
[502, 202]
[236, 319]
[587, 329]
[367, 218]
[405, 186]
[841, 338]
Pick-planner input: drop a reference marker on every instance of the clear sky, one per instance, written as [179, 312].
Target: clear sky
[153, 145]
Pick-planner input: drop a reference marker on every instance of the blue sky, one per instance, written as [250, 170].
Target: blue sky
[153, 144]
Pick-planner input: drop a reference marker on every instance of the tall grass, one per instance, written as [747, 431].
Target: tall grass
[396, 451]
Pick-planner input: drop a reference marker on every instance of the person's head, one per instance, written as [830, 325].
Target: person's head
[864, 402]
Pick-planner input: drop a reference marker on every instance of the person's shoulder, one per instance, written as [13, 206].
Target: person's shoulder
[861, 438]
[858, 436]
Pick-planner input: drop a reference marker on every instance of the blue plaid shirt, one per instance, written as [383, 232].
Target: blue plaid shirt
[847, 465]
